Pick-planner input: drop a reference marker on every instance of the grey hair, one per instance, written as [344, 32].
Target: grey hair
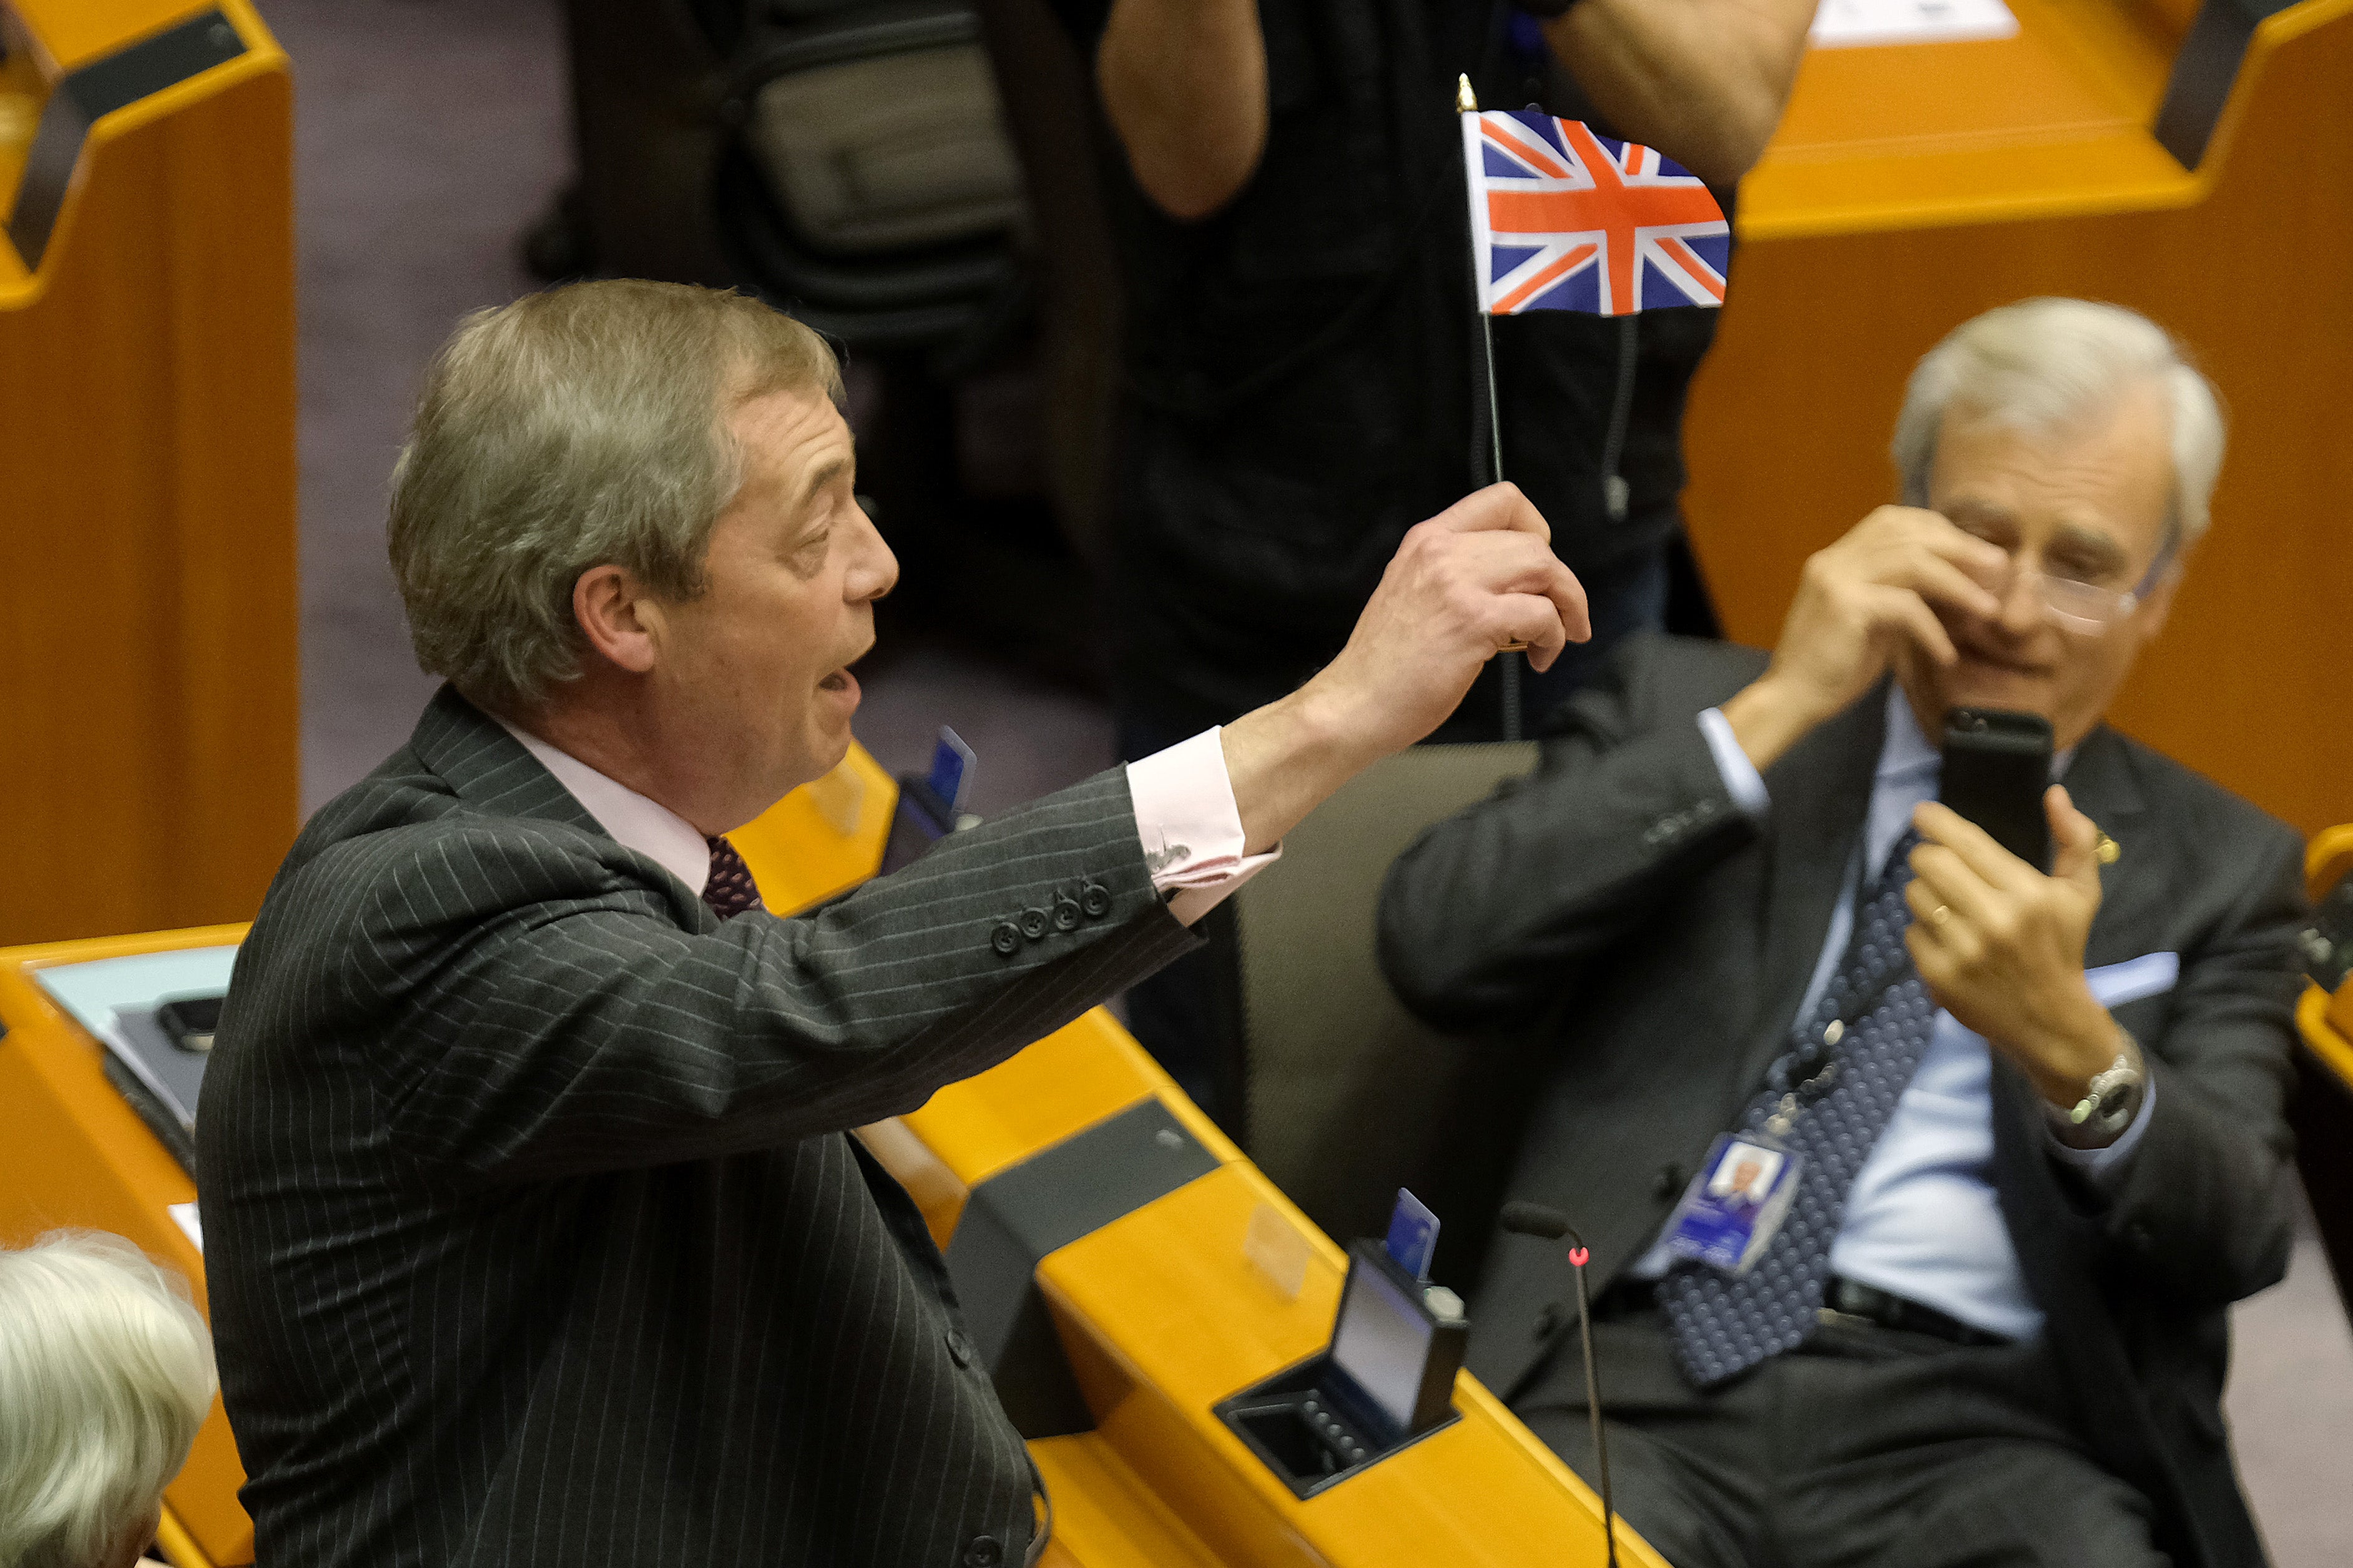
[2042, 364]
[578, 427]
[106, 1371]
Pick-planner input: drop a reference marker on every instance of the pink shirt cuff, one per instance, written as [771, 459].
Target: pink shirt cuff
[1189, 826]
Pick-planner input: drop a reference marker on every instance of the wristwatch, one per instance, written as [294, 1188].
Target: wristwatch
[2110, 1101]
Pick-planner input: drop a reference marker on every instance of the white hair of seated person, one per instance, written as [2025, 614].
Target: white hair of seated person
[2041, 365]
[106, 1371]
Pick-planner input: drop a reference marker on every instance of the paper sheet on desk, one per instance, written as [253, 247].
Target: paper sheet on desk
[1849, 24]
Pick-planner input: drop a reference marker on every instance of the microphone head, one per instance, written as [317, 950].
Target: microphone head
[1534, 1219]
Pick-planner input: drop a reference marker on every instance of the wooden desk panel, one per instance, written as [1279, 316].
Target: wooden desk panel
[148, 665]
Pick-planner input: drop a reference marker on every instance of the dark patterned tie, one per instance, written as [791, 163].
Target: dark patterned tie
[728, 889]
[1725, 1324]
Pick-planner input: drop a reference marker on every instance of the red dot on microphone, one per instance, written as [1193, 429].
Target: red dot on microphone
[1577, 1255]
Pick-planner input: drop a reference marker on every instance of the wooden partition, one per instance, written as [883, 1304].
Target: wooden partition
[1910, 187]
[148, 675]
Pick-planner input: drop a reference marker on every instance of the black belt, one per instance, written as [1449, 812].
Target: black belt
[1843, 1299]
[1849, 1298]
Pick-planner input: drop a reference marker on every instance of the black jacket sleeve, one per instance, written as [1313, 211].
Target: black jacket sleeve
[2205, 1205]
[1491, 911]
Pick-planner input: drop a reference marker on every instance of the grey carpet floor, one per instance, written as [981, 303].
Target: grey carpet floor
[428, 133]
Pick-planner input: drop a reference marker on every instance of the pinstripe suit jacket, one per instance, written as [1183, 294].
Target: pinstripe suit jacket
[534, 1235]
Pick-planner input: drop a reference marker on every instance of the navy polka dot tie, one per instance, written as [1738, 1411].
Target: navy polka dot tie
[1725, 1324]
[728, 889]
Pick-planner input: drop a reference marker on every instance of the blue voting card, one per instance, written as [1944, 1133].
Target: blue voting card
[951, 770]
[1734, 1205]
[1413, 1235]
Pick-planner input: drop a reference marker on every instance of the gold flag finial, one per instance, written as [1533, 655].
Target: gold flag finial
[1465, 100]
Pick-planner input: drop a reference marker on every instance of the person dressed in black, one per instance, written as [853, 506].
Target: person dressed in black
[1304, 377]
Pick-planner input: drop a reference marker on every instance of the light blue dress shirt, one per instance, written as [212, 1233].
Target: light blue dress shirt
[1922, 1220]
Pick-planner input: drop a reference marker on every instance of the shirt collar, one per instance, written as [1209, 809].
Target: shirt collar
[1906, 754]
[635, 821]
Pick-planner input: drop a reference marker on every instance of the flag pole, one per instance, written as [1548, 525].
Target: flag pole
[1466, 101]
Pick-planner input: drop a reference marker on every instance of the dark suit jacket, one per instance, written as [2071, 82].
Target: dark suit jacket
[1618, 901]
[534, 1232]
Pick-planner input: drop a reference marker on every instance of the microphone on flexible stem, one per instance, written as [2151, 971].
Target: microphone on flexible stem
[1551, 1224]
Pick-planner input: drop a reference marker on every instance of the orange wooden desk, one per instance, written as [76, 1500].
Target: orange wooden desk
[73, 1154]
[147, 677]
[1160, 1312]
[1910, 187]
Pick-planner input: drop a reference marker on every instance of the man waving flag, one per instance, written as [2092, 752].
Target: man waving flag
[1565, 219]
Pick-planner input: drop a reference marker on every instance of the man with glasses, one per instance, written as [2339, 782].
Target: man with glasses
[2035, 1119]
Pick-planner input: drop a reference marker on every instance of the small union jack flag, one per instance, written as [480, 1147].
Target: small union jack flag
[1564, 219]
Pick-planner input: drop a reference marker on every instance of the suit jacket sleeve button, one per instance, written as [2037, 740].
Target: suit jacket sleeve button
[1066, 913]
[1006, 939]
[959, 1347]
[1034, 921]
[982, 1552]
[1668, 1182]
[1095, 899]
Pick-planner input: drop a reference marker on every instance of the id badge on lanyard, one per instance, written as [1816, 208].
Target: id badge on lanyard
[1735, 1206]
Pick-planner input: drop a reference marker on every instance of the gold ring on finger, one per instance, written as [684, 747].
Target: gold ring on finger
[1516, 645]
[1939, 916]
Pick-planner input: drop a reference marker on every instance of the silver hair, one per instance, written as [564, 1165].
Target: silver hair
[2043, 365]
[106, 1371]
[578, 427]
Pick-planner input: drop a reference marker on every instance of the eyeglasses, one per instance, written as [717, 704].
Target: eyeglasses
[2083, 607]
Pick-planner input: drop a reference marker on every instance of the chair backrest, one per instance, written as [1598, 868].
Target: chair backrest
[1349, 1097]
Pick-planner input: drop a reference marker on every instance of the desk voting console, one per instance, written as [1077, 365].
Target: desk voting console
[148, 679]
[1910, 188]
[1169, 1275]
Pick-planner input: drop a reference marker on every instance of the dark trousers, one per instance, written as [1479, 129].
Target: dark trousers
[1864, 1446]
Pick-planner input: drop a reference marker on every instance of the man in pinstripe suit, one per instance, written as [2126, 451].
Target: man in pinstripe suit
[535, 1232]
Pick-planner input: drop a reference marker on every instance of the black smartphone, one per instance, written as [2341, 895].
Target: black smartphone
[1997, 767]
